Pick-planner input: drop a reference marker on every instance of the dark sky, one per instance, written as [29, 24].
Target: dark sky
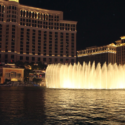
[100, 22]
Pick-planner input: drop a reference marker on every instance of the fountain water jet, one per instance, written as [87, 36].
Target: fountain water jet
[85, 76]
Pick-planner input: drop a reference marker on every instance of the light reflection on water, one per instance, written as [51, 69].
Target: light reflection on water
[36, 106]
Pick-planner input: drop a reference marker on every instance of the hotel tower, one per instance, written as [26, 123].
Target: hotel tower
[30, 34]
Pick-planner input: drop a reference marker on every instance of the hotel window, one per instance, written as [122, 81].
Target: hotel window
[35, 15]
[50, 43]
[9, 7]
[72, 44]
[56, 43]
[7, 75]
[26, 13]
[41, 15]
[55, 59]
[0, 8]
[23, 13]
[44, 24]
[13, 74]
[50, 60]
[21, 57]
[27, 58]
[32, 14]
[29, 14]
[13, 7]
[47, 17]
[1, 32]
[33, 42]
[39, 42]
[61, 35]
[22, 29]
[67, 43]
[18, 75]
[12, 56]
[55, 25]
[33, 58]
[45, 37]
[67, 60]
[61, 44]
[39, 32]
[61, 60]
[67, 26]
[38, 59]
[38, 15]
[61, 26]
[44, 59]
[51, 25]
[21, 52]
[72, 27]
[50, 17]
[6, 56]
[55, 18]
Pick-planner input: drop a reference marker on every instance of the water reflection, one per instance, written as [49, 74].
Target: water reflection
[21, 105]
[28, 105]
[85, 106]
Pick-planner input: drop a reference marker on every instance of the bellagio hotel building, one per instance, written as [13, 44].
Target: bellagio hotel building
[30, 34]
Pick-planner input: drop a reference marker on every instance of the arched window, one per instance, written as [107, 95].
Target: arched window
[13, 74]
[21, 13]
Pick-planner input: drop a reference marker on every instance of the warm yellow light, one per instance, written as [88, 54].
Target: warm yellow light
[14, 79]
[15, 0]
[118, 41]
[67, 84]
[95, 53]
[122, 37]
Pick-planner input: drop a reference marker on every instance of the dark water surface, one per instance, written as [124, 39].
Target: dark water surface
[39, 106]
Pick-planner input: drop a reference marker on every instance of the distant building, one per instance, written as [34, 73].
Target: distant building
[11, 73]
[32, 34]
[100, 54]
[120, 56]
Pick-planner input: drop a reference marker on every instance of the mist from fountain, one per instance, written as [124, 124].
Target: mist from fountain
[85, 76]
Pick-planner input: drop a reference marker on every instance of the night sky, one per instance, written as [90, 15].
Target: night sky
[100, 22]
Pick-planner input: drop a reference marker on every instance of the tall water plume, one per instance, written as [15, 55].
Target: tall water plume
[85, 76]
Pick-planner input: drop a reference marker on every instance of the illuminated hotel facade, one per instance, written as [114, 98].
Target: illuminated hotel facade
[100, 54]
[30, 34]
[120, 56]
